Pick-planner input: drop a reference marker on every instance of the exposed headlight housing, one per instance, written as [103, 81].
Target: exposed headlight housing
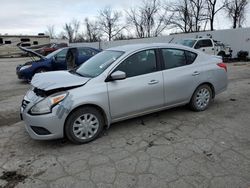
[45, 106]
[25, 67]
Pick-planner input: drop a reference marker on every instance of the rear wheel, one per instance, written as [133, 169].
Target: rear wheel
[84, 125]
[201, 98]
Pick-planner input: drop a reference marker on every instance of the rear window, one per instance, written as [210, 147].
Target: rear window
[174, 58]
[190, 57]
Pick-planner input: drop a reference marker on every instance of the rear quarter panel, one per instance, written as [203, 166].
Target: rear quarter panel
[212, 73]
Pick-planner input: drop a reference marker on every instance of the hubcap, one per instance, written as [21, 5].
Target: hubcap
[85, 126]
[202, 98]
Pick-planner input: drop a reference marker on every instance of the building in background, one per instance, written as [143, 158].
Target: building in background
[8, 43]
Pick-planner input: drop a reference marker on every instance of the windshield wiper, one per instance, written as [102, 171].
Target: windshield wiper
[74, 71]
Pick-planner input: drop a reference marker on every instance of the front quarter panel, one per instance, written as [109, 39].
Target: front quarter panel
[92, 93]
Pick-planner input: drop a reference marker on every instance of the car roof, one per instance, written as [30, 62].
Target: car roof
[135, 47]
[80, 47]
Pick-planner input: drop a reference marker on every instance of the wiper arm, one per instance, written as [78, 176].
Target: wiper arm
[80, 74]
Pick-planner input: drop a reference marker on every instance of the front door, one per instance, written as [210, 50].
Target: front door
[141, 91]
[59, 62]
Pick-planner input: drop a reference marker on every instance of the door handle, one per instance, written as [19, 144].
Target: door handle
[195, 73]
[153, 82]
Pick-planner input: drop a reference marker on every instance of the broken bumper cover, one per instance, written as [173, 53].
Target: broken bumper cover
[45, 126]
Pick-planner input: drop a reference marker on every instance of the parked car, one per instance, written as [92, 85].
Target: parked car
[51, 48]
[117, 84]
[208, 46]
[57, 60]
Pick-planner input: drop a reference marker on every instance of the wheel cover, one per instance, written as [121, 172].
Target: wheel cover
[202, 98]
[85, 126]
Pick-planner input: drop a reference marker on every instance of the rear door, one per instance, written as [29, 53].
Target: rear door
[141, 91]
[180, 75]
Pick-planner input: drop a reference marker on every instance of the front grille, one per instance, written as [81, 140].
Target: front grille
[25, 103]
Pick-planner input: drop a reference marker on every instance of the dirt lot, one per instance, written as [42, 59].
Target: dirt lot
[174, 148]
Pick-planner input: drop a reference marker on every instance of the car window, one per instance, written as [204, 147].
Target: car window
[143, 62]
[187, 42]
[190, 57]
[86, 52]
[173, 58]
[203, 44]
[62, 55]
[53, 53]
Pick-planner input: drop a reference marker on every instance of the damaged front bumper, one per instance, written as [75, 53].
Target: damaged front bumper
[45, 126]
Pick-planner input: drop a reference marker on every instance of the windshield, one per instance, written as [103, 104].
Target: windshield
[53, 53]
[98, 63]
[189, 42]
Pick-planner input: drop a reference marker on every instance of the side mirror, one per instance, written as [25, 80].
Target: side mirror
[117, 75]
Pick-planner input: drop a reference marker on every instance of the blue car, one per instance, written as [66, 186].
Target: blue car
[61, 59]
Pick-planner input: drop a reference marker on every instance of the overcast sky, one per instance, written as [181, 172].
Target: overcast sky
[33, 16]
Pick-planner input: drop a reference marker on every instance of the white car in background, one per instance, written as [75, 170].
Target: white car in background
[208, 45]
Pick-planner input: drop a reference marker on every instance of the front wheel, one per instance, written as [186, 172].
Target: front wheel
[84, 125]
[201, 98]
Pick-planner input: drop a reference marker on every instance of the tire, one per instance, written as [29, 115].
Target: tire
[79, 128]
[201, 98]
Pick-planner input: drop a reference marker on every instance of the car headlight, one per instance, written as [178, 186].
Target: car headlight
[45, 106]
[25, 67]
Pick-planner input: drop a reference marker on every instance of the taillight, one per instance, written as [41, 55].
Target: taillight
[222, 65]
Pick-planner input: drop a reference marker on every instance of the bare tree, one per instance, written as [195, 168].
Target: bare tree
[71, 29]
[51, 31]
[212, 10]
[148, 20]
[182, 16]
[198, 13]
[236, 11]
[92, 31]
[136, 18]
[189, 15]
[75, 26]
[109, 22]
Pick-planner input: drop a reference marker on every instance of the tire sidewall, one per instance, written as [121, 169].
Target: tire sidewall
[76, 114]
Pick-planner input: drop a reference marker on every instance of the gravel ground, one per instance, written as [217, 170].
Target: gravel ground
[174, 148]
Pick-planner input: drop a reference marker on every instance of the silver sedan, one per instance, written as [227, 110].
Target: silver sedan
[117, 84]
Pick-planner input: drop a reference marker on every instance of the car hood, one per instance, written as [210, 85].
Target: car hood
[31, 52]
[57, 80]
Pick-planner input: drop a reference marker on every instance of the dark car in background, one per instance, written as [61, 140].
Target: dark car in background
[51, 48]
[61, 59]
